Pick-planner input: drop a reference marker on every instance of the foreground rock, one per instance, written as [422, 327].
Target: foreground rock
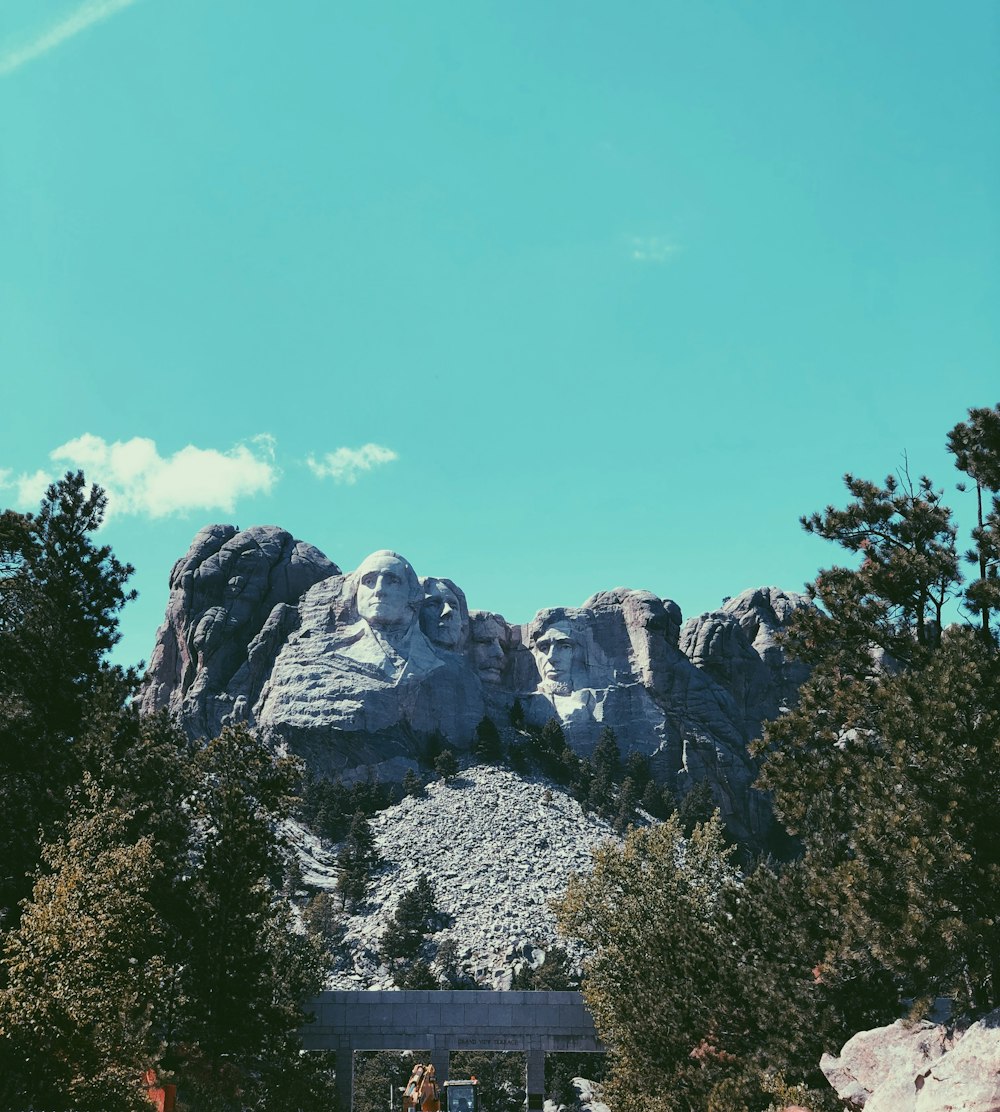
[922, 1067]
[496, 848]
[356, 672]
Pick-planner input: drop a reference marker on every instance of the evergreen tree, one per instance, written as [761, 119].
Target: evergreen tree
[85, 971]
[887, 769]
[356, 861]
[607, 756]
[628, 799]
[695, 806]
[246, 971]
[488, 746]
[412, 784]
[555, 974]
[59, 601]
[646, 912]
[975, 445]
[446, 764]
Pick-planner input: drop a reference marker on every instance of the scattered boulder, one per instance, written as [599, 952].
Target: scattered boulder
[922, 1067]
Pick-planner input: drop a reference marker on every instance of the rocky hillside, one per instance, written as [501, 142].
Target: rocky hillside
[359, 671]
[496, 848]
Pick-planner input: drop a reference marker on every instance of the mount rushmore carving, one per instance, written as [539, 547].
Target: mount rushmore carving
[356, 671]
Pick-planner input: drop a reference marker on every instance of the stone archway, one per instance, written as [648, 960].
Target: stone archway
[531, 1022]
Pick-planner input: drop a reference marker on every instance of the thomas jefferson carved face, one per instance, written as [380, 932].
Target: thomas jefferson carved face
[554, 651]
[441, 614]
[386, 590]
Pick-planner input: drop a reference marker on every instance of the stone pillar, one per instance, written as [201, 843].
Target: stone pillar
[441, 1060]
[535, 1082]
[344, 1081]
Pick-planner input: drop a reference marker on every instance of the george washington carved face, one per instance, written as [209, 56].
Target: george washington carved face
[387, 591]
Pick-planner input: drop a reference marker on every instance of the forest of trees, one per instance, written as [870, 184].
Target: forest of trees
[145, 922]
[142, 921]
[718, 987]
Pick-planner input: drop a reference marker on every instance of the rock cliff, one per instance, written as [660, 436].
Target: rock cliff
[355, 672]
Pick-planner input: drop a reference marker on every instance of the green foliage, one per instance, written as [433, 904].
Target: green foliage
[648, 913]
[246, 971]
[376, 1072]
[446, 764]
[501, 1077]
[329, 806]
[154, 932]
[696, 806]
[607, 756]
[976, 446]
[895, 598]
[488, 745]
[85, 970]
[415, 917]
[59, 601]
[324, 919]
[560, 1069]
[555, 974]
[356, 861]
[416, 974]
[516, 715]
[412, 784]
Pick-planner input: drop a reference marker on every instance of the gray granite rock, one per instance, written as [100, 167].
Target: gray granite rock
[355, 672]
[222, 595]
[922, 1067]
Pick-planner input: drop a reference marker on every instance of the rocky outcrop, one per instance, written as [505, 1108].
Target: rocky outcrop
[357, 671]
[922, 1067]
[496, 905]
[232, 588]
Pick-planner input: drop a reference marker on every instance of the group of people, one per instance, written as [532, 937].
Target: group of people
[421, 1090]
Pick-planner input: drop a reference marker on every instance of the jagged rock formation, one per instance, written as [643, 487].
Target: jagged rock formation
[496, 904]
[923, 1067]
[357, 671]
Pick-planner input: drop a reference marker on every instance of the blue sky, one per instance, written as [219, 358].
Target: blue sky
[550, 297]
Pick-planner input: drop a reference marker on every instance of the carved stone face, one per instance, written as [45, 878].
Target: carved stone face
[554, 652]
[487, 652]
[385, 591]
[441, 614]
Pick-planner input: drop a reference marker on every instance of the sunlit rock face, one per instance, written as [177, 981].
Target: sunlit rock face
[356, 672]
[226, 594]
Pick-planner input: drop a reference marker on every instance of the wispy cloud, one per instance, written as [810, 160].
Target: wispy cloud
[86, 15]
[345, 464]
[651, 249]
[141, 482]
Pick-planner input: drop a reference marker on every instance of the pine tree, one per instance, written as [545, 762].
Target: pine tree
[647, 913]
[59, 601]
[246, 970]
[86, 974]
[975, 445]
[488, 746]
[887, 770]
[446, 764]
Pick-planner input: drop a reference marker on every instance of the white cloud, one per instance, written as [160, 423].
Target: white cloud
[651, 249]
[345, 464]
[30, 488]
[141, 482]
[86, 15]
